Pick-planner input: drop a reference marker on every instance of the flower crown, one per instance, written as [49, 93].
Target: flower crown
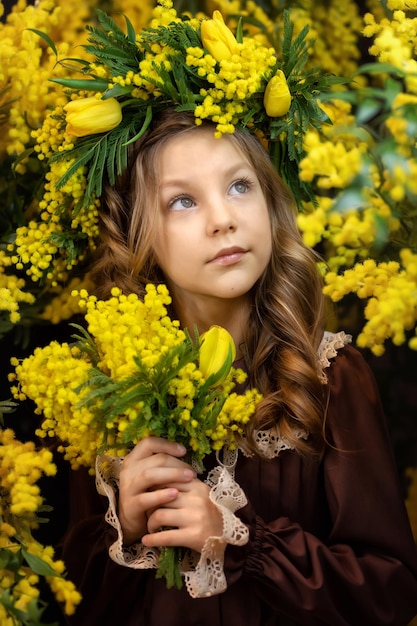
[195, 65]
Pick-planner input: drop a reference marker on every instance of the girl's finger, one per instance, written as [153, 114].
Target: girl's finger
[154, 445]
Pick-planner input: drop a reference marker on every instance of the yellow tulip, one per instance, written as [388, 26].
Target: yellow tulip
[218, 39]
[89, 116]
[217, 353]
[277, 97]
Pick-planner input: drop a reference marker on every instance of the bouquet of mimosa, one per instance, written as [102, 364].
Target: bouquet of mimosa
[133, 373]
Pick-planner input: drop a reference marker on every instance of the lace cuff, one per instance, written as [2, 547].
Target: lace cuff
[136, 556]
[205, 576]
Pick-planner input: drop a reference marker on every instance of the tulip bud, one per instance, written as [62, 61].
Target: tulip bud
[217, 353]
[89, 116]
[277, 97]
[218, 38]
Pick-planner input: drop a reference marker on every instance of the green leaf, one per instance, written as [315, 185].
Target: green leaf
[117, 91]
[46, 39]
[7, 406]
[349, 199]
[11, 560]
[146, 122]
[131, 34]
[239, 30]
[367, 110]
[109, 24]
[22, 156]
[168, 566]
[382, 230]
[379, 68]
[87, 84]
[37, 565]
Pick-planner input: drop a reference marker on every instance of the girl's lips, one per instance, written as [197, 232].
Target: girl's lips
[228, 256]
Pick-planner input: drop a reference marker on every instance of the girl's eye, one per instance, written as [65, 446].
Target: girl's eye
[181, 203]
[240, 186]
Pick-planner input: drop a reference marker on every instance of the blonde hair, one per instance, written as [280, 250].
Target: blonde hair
[285, 326]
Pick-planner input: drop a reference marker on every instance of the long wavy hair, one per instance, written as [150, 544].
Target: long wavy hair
[285, 326]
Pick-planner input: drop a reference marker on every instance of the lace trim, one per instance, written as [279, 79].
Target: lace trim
[203, 573]
[208, 577]
[329, 345]
[137, 555]
[270, 442]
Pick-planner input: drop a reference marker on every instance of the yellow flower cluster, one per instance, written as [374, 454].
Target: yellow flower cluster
[124, 327]
[391, 290]
[66, 303]
[51, 136]
[236, 412]
[51, 376]
[395, 40]
[332, 161]
[347, 236]
[148, 76]
[11, 290]
[401, 128]
[163, 14]
[21, 466]
[140, 13]
[337, 28]
[238, 77]
[400, 180]
[34, 248]
[185, 387]
[63, 589]
[26, 64]
[332, 164]
[132, 341]
[404, 5]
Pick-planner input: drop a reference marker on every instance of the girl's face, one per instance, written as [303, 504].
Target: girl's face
[213, 239]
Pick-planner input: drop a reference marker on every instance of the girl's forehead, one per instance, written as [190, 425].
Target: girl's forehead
[185, 149]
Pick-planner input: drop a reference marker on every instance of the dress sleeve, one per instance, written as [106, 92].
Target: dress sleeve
[85, 552]
[365, 571]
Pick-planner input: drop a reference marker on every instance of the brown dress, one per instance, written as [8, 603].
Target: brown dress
[330, 543]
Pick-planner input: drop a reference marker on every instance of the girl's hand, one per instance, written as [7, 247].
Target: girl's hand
[151, 476]
[191, 518]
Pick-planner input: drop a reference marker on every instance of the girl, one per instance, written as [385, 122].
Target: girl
[305, 523]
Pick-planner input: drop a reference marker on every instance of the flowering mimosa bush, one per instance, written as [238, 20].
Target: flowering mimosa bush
[23, 560]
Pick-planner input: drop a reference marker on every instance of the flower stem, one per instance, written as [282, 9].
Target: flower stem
[169, 566]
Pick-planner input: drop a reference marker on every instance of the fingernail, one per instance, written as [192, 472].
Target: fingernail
[189, 473]
[181, 449]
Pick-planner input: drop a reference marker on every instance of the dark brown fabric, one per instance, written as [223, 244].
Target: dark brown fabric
[330, 543]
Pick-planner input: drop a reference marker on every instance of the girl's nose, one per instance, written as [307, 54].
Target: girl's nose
[221, 218]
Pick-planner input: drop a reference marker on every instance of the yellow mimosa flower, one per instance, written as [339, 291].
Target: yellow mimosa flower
[277, 97]
[89, 116]
[218, 38]
[217, 353]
